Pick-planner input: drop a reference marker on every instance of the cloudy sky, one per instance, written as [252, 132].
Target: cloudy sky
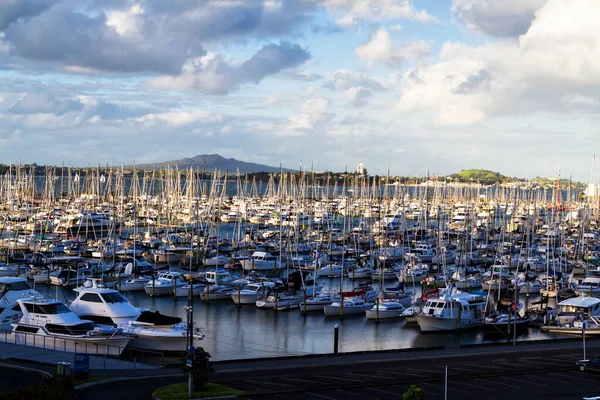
[409, 85]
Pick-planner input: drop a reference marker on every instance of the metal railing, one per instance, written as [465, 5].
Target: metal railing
[74, 345]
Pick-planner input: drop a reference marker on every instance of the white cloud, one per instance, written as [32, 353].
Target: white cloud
[469, 85]
[380, 49]
[376, 10]
[177, 119]
[497, 17]
[315, 105]
[218, 74]
[580, 99]
[344, 79]
[358, 96]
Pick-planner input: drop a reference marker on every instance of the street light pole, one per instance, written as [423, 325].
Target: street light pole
[190, 340]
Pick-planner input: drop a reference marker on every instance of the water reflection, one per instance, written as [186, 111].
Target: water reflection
[249, 332]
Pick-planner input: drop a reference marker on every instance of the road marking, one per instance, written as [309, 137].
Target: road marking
[339, 378]
[321, 396]
[269, 383]
[383, 391]
[472, 385]
[484, 366]
[402, 373]
[572, 377]
[498, 383]
[300, 380]
[356, 394]
[370, 376]
[522, 381]
[550, 379]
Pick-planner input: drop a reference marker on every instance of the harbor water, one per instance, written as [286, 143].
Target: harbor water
[249, 332]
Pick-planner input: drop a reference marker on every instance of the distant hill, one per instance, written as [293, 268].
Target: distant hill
[210, 162]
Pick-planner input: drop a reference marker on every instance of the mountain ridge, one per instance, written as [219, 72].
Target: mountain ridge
[210, 162]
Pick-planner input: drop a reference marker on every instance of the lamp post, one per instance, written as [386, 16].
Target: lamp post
[190, 340]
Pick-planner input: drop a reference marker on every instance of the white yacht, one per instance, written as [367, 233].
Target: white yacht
[152, 331]
[577, 309]
[166, 284]
[63, 330]
[217, 292]
[316, 303]
[386, 309]
[283, 301]
[262, 261]
[331, 271]
[452, 312]
[11, 290]
[251, 292]
[350, 305]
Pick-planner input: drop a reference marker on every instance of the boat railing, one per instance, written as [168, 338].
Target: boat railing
[74, 345]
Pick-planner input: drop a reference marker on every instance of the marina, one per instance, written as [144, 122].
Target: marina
[385, 263]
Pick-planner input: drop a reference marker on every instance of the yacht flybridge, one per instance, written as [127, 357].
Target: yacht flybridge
[153, 330]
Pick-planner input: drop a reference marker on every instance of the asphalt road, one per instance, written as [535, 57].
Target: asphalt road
[524, 374]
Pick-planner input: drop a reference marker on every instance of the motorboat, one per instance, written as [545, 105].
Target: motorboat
[529, 287]
[152, 330]
[134, 283]
[507, 320]
[452, 312]
[217, 292]
[505, 323]
[360, 273]
[195, 288]
[316, 303]
[349, 306]
[64, 330]
[251, 292]
[386, 309]
[577, 309]
[279, 301]
[165, 284]
[12, 289]
[331, 271]
[217, 261]
[262, 261]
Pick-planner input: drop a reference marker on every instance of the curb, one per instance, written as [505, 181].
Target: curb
[27, 369]
[129, 378]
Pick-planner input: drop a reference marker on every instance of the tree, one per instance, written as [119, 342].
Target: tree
[201, 368]
[413, 393]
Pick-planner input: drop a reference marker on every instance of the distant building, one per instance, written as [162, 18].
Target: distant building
[361, 169]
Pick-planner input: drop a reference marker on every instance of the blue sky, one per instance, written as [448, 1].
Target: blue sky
[507, 85]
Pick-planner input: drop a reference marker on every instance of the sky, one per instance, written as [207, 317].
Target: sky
[409, 86]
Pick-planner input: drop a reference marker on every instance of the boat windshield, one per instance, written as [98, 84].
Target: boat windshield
[52, 308]
[114, 297]
[79, 329]
[14, 286]
[571, 310]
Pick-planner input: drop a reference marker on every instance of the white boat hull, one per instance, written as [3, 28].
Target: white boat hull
[101, 345]
[383, 314]
[336, 311]
[431, 323]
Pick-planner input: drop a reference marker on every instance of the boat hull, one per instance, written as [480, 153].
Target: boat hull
[430, 323]
[101, 345]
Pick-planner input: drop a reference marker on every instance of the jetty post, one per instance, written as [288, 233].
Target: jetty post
[336, 338]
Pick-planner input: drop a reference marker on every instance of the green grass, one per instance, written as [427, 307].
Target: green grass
[179, 391]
